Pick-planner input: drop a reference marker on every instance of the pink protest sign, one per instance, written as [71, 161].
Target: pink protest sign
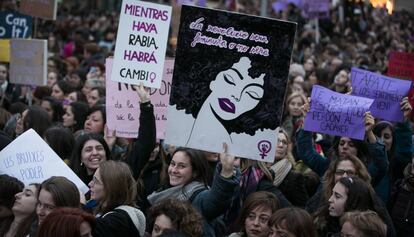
[122, 104]
[160, 97]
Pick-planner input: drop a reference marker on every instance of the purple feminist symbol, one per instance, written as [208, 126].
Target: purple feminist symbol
[264, 147]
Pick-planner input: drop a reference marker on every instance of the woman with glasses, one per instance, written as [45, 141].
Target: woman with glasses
[349, 193]
[114, 189]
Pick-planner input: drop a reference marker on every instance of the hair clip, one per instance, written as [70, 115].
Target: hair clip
[351, 180]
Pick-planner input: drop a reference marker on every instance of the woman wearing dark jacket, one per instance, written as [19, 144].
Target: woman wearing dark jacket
[398, 142]
[187, 176]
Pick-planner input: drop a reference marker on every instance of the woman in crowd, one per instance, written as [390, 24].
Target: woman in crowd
[33, 117]
[363, 224]
[187, 175]
[75, 116]
[90, 150]
[114, 189]
[67, 222]
[54, 108]
[61, 90]
[348, 194]
[9, 187]
[291, 222]
[96, 119]
[290, 182]
[255, 214]
[293, 117]
[56, 192]
[76, 96]
[95, 94]
[176, 215]
[24, 212]
[341, 80]
[61, 140]
[398, 143]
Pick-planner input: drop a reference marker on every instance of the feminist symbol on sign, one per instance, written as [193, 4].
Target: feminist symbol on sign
[264, 147]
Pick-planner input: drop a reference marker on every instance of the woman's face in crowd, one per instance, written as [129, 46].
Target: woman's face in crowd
[294, 106]
[308, 65]
[57, 93]
[313, 80]
[346, 147]
[97, 187]
[162, 222]
[72, 97]
[234, 92]
[298, 80]
[282, 146]
[85, 229]
[45, 205]
[348, 230]
[341, 78]
[345, 168]
[93, 97]
[387, 138]
[180, 170]
[337, 200]
[19, 123]
[26, 201]
[256, 222]
[68, 117]
[94, 122]
[51, 79]
[92, 154]
[46, 105]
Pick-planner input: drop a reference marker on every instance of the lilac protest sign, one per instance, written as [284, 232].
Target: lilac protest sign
[316, 9]
[387, 93]
[141, 43]
[337, 114]
[122, 104]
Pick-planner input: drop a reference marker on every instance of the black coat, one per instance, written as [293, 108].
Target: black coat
[293, 187]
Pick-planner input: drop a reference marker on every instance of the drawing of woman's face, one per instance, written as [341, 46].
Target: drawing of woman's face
[234, 92]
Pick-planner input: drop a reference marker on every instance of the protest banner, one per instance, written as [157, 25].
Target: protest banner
[15, 25]
[141, 43]
[4, 50]
[45, 9]
[387, 93]
[401, 65]
[30, 159]
[229, 82]
[315, 9]
[337, 114]
[28, 61]
[122, 104]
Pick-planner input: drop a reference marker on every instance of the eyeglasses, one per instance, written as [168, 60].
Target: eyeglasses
[283, 142]
[342, 172]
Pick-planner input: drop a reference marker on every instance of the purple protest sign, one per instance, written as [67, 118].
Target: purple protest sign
[387, 93]
[316, 9]
[337, 114]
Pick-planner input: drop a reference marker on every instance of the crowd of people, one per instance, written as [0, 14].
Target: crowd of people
[318, 184]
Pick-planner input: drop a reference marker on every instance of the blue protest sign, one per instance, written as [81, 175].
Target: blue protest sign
[15, 25]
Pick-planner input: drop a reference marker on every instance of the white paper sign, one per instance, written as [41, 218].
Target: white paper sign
[141, 43]
[30, 159]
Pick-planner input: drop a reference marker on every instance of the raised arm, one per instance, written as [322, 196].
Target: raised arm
[145, 143]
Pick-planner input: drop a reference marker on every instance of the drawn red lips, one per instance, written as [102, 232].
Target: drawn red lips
[227, 105]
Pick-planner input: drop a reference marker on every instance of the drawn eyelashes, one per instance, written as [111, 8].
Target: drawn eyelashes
[229, 79]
